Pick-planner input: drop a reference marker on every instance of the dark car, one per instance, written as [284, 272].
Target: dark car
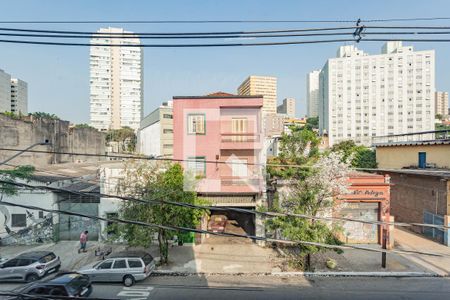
[64, 285]
[30, 266]
[217, 223]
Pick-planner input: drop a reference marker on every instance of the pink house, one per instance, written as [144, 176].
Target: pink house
[219, 139]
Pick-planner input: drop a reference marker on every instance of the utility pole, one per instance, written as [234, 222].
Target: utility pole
[384, 246]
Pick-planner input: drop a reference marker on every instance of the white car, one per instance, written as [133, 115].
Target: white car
[126, 267]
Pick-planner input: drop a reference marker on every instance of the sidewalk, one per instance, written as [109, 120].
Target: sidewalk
[406, 240]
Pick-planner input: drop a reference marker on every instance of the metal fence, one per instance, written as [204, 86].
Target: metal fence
[434, 233]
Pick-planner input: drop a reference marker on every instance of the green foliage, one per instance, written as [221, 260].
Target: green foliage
[312, 123]
[439, 126]
[149, 182]
[361, 156]
[300, 147]
[84, 125]
[12, 115]
[439, 116]
[20, 172]
[125, 136]
[44, 115]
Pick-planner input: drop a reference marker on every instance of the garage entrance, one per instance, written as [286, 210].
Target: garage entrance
[237, 223]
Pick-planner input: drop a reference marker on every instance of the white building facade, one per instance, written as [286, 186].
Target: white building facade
[19, 96]
[5, 91]
[312, 93]
[116, 80]
[362, 96]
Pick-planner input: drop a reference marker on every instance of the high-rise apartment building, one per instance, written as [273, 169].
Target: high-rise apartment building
[261, 86]
[13, 94]
[287, 108]
[116, 80]
[362, 96]
[19, 96]
[441, 102]
[5, 91]
[312, 93]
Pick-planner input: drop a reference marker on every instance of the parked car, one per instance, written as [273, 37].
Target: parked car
[217, 223]
[30, 266]
[64, 285]
[127, 267]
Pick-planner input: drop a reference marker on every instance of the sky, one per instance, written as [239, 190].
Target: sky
[58, 77]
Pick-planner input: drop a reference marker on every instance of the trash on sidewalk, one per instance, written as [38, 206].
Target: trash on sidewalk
[103, 251]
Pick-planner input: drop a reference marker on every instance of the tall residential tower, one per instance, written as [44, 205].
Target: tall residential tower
[362, 96]
[312, 93]
[287, 108]
[441, 102]
[116, 82]
[261, 86]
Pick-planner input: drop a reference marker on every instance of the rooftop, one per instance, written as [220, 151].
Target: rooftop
[434, 137]
[444, 173]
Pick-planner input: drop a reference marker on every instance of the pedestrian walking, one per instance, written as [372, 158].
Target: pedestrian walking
[83, 241]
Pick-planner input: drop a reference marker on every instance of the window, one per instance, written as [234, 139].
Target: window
[10, 263]
[120, 264]
[239, 126]
[167, 116]
[24, 262]
[134, 263]
[105, 265]
[197, 165]
[147, 259]
[167, 130]
[196, 124]
[18, 220]
[41, 214]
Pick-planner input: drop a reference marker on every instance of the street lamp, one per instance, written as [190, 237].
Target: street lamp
[44, 143]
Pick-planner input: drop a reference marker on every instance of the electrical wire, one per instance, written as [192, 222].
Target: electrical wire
[170, 21]
[156, 200]
[134, 34]
[224, 234]
[47, 43]
[216, 21]
[253, 36]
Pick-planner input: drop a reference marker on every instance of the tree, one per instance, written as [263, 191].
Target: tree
[300, 147]
[312, 196]
[146, 181]
[20, 172]
[44, 115]
[125, 136]
[83, 125]
[360, 156]
[312, 123]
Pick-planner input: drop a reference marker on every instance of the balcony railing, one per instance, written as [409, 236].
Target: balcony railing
[412, 138]
[240, 137]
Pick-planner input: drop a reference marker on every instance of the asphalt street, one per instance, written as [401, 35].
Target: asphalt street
[266, 287]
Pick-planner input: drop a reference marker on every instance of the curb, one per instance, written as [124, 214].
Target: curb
[303, 274]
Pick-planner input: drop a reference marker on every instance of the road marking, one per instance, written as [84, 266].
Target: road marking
[136, 293]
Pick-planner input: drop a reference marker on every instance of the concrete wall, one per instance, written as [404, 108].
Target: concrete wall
[149, 140]
[405, 156]
[20, 134]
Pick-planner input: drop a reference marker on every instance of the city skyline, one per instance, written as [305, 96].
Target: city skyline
[190, 71]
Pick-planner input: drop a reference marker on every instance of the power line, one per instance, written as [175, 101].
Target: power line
[169, 21]
[46, 43]
[262, 21]
[135, 34]
[225, 234]
[156, 200]
[253, 36]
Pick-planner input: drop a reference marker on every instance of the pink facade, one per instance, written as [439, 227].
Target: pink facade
[223, 135]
